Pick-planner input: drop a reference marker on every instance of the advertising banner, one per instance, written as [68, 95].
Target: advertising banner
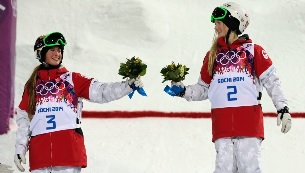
[7, 59]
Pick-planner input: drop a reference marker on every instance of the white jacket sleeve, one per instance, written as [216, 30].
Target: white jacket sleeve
[100, 92]
[23, 132]
[197, 92]
[271, 82]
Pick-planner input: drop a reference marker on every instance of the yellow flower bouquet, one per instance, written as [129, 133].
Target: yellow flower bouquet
[131, 69]
[175, 73]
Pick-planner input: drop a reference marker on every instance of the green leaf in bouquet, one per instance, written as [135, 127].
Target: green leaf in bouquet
[132, 68]
[174, 72]
[143, 72]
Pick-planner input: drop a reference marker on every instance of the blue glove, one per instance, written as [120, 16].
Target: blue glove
[177, 89]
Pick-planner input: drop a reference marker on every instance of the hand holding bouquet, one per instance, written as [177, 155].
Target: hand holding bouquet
[174, 73]
[133, 69]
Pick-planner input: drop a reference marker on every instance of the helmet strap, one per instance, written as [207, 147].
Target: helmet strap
[46, 66]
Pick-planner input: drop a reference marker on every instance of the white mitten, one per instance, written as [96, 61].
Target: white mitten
[285, 118]
[130, 81]
[138, 82]
[18, 159]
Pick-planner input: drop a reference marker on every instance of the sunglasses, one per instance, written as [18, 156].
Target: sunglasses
[54, 39]
[218, 14]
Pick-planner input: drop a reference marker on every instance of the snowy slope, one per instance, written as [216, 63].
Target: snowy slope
[101, 34]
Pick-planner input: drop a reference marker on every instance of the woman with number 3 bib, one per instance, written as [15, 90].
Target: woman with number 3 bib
[232, 76]
[49, 114]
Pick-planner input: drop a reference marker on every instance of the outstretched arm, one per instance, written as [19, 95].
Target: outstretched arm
[100, 92]
[197, 92]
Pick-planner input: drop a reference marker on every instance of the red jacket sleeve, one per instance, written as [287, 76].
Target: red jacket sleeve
[24, 103]
[81, 85]
[204, 70]
[262, 60]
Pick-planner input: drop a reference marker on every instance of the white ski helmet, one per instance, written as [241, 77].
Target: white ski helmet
[233, 16]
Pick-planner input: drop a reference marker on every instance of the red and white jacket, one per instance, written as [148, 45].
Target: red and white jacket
[53, 136]
[240, 70]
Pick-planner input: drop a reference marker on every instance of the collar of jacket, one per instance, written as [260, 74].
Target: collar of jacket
[51, 74]
[240, 41]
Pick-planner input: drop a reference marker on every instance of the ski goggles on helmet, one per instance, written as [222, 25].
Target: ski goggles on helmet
[54, 39]
[218, 14]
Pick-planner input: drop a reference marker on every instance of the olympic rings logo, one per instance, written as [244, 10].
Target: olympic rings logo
[231, 56]
[50, 87]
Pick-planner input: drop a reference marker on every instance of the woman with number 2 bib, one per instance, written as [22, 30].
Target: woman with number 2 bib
[49, 114]
[232, 76]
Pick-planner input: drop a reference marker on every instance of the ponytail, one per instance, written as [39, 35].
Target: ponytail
[31, 86]
[212, 55]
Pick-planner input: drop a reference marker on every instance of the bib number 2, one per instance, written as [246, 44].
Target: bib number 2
[51, 122]
[231, 94]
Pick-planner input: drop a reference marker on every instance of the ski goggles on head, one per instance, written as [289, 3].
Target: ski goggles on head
[54, 39]
[218, 14]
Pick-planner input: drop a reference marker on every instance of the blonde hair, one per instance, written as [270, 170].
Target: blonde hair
[212, 55]
[31, 86]
[213, 50]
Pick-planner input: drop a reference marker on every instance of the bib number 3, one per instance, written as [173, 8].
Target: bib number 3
[231, 93]
[51, 122]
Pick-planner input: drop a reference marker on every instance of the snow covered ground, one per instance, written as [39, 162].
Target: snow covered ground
[102, 33]
[171, 145]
